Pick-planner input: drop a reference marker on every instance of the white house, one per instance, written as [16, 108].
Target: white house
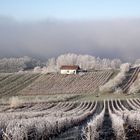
[69, 69]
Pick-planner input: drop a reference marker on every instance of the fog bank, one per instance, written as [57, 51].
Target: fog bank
[116, 38]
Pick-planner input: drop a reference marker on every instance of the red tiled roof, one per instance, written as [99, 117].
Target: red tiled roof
[69, 67]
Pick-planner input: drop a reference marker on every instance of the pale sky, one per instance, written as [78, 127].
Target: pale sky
[69, 9]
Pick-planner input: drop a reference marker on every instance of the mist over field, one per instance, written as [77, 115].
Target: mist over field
[114, 38]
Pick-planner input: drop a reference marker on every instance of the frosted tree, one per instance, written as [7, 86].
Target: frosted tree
[112, 84]
[87, 61]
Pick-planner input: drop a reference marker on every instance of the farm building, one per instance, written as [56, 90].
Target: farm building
[69, 69]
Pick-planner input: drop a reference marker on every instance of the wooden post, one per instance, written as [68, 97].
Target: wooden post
[89, 133]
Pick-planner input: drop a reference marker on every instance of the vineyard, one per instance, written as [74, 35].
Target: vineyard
[45, 84]
[29, 84]
[10, 84]
[129, 79]
[126, 81]
[57, 83]
[110, 119]
[54, 108]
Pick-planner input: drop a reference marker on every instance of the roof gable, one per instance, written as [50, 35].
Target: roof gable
[69, 67]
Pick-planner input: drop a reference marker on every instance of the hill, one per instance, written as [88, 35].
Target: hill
[58, 83]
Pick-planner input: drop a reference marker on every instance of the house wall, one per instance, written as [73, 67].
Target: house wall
[68, 71]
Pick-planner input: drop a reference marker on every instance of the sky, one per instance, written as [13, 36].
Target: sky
[69, 9]
[48, 28]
